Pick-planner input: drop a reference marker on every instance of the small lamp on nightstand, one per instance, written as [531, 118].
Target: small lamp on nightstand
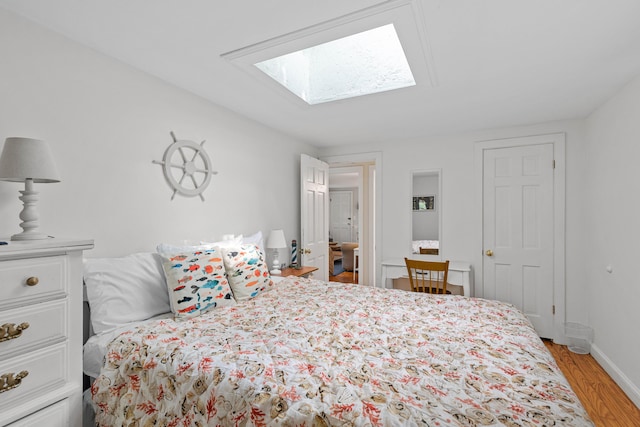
[28, 160]
[276, 241]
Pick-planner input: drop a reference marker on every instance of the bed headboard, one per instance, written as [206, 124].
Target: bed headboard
[87, 330]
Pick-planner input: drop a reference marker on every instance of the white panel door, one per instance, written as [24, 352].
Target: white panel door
[341, 208]
[314, 203]
[518, 230]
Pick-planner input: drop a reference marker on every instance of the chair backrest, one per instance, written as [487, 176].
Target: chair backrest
[429, 251]
[428, 276]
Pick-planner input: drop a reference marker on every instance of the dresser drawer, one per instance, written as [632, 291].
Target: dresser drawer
[41, 371]
[56, 415]
[31, 280]
[32, 327]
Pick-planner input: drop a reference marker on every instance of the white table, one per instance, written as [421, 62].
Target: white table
[459, 271]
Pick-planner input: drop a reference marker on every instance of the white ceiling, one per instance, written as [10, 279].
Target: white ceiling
[496, 63]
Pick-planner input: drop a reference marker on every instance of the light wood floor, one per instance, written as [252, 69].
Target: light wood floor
[603, 399]
[344, 277]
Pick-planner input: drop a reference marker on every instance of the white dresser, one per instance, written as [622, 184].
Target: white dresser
[459, 272]
[41, 332]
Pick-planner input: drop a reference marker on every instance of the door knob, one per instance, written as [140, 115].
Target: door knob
[489, 252]
[306, 251]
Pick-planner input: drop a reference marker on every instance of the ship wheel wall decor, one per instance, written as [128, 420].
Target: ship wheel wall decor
[186, 167]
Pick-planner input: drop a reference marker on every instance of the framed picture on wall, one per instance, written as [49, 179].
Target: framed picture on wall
[424, 203]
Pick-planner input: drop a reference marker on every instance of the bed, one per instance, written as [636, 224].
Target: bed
[308, 353]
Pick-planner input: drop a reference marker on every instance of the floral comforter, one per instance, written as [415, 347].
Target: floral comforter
[311, 353]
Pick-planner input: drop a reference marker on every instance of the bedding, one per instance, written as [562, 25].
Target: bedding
[134, 287]
[95, 349]
[309, 353]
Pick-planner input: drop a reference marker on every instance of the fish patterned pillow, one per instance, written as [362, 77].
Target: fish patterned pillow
[197, 282]
[247, 271]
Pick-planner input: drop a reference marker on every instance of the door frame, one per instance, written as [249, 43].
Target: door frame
[374, 217]
[558, 140]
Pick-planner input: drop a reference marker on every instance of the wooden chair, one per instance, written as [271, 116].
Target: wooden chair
[429, 251]
[428, 276]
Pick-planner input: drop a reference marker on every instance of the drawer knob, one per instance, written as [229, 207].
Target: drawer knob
[9, 331]
[11, 380]
[32, 281]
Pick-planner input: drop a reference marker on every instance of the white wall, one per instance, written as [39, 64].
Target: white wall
[106, 122]
[612, 212]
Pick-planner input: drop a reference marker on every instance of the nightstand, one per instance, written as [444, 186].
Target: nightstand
[298, 272]
[41, 332]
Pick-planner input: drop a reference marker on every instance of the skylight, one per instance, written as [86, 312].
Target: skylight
[361, 64]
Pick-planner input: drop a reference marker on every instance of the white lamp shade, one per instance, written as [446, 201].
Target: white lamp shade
[27, 158]
[276, 240]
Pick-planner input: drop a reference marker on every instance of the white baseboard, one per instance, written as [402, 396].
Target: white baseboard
[618, 376]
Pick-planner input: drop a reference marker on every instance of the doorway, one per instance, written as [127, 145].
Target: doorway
[368, 207]
[345, 200]
[521, 188]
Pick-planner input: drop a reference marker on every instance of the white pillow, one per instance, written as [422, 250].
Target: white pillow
[126, 289]
[168, 248]
[255, 239]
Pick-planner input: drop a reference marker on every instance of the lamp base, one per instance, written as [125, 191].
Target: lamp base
[29, 236]
[275, 269]
[29, 214]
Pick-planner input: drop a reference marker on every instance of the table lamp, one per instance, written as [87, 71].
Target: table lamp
[30, 161]
[276, 241]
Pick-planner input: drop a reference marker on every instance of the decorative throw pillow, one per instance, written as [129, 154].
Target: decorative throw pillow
[247, 271]
[197, 282]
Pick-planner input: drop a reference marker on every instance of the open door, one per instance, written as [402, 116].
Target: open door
[314, 201]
